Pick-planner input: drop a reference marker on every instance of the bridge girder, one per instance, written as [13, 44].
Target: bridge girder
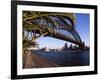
[44, 30]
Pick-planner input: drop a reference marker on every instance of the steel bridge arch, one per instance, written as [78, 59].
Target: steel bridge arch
[31, 24]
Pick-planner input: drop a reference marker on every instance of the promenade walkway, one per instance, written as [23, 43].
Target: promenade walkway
[31, 60]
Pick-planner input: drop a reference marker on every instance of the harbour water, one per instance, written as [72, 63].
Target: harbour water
[65, 58]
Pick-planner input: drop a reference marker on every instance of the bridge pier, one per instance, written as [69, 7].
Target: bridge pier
[82, 46]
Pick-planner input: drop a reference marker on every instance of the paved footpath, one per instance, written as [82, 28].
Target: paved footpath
[31, 60]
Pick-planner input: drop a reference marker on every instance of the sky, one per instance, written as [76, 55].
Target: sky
[82, 26]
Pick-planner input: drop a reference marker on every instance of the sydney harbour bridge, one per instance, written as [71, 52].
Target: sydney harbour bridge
[49, 24]
[52, 24]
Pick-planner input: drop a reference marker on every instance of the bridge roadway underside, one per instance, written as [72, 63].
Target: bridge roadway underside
[66, 38]
[58, 35]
